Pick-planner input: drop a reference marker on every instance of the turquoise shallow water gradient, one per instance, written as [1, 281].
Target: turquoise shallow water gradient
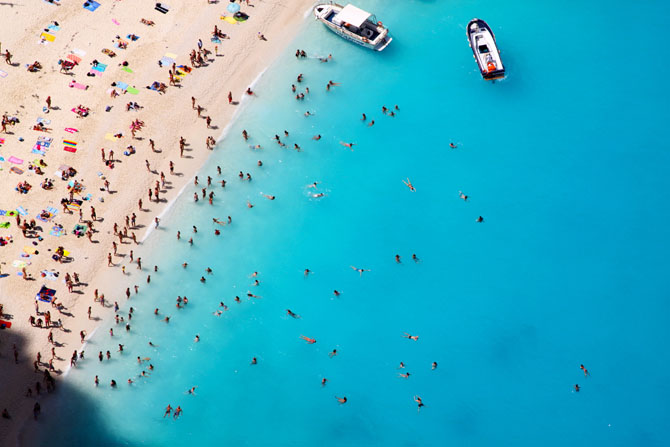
[565, 159]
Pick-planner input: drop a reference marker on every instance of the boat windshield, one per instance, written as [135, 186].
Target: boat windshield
[483, 49]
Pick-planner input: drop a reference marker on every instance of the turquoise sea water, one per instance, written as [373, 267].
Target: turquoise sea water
[566, 161]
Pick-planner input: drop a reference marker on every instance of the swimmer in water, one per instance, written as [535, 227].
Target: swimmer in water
[462, 196]
[316, 137]
[414, 257]
[452, 145]
[323, 381]
[333, 353]
[292, 314]
[397, 259]
[269, 197]
[341, 400]
[336, 293]
[401, 366]
[359, 270]
[480, 219]
[586, 372]
[249, 205]
[191, 391]
[433, 366]
[311, 341]
[254, 361]
[419, 402]
[409, 185]
[168, 410]
[404, 376]
[577, 388]
[197, 338]
[349, 145]
[318, 195]
[307, 272]
[411, 337]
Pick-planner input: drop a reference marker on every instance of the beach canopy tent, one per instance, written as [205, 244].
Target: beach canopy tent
[45, 294]
[352, 15]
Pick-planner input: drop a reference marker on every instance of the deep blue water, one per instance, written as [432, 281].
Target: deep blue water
[565, 159]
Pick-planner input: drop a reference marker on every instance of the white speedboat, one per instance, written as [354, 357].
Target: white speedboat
[486, 52]
[353, 24]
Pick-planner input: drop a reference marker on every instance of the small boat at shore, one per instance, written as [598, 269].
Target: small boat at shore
[486, 52]
[354, 25]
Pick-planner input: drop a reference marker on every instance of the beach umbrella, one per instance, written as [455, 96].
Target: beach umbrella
[233, 7]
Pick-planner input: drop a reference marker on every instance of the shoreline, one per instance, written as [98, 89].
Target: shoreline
[89, 260]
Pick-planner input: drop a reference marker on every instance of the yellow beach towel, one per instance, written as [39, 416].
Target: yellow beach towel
[230, 20]
[48, 37]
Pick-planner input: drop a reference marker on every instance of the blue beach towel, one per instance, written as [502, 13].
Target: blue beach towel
[100, 67]
[122, 85]
[91, 5]
[22, 211]
[165, 61]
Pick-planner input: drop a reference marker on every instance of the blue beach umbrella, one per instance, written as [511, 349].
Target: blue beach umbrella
[233, 7]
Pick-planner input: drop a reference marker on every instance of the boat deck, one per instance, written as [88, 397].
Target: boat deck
[367, 29]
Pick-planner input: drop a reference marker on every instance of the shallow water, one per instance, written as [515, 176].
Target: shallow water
[564, 159]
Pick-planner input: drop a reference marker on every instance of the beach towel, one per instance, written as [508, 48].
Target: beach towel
[91, 5]
[115, 22]
[70, 143]
[44, 121]
[230, 20]
[71, 130]
[44, 141]
[2, 141]
[132, 90]
[74, 205]
[75, 84]
[80, 230]
[48, 37]
[3, 74]
[22, 211]
[73, 58]
[53, 27]
[57, 231]
[16, 170]
[46, 294]
[50, 275]
[110, 137]
[29, 250]
[16, 161]
[37, 150]
[70, 149]
[127, 70]
[122, 85]
[19, 264]
[162, 7]
[52, 210]
[94, 73]
[78, 52]
[166, 61]
[100, 67]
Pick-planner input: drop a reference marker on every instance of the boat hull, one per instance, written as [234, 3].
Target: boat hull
[486, 71]
[323, 11]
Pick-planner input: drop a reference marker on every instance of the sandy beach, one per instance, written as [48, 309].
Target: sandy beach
[140, 36]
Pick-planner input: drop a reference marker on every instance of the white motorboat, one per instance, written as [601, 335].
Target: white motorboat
[353, 24]
[486, 52]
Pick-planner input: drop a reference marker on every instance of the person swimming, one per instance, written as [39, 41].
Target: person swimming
[292, 314]
[311, 341]
[411, 337]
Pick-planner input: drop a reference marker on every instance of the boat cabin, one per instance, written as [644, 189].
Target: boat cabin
[356, 21]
